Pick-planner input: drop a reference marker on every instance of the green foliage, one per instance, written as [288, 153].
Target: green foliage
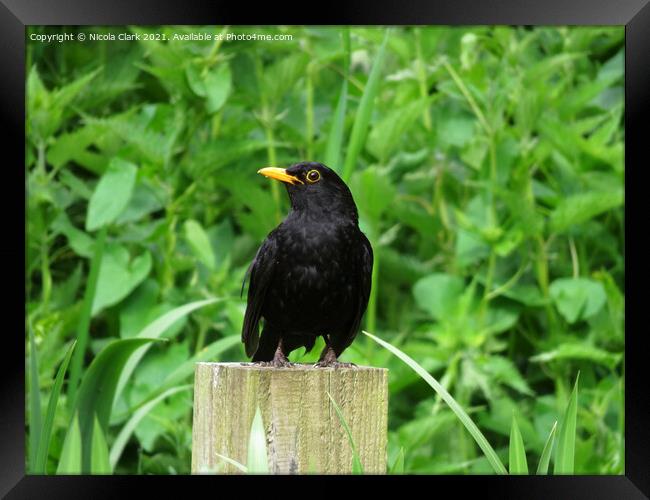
[566, 440]
[487, 164]
[517, 463]
[46, 432]
[257, 462]
[112, 194]
[95, 405]
[545, 457]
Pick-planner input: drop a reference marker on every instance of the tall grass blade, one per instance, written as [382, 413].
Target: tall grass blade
[257, 462]
[97, 389]
[398, 464]
[517, 460]
[545, 458]
[566, 441]
[46, 433]
[34, 403]
[469, 424]
[155, 330]
[357, 466]
[99, 463]
[335, 138]
[127, 430]
[70, 459]
[183, 371]
[362, 120]
[85, 315]
[234, 463]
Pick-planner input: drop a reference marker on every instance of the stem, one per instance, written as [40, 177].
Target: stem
[422, 80]
[574, 258]
[86, 314]
[310, 111]
[200, 340]
[170, 245]
[46, 275]
[438, 200]
[503, 288]
[468, 97]
[275, 190]
[541, 265]
[371, 320]
[492, 260]
[267, 123]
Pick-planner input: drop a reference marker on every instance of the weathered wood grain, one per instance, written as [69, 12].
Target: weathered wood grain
[303, 431]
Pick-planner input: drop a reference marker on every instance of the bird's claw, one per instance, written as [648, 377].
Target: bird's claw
[335, 365]
[276, 363]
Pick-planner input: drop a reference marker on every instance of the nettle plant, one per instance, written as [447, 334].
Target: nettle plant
[487, 164]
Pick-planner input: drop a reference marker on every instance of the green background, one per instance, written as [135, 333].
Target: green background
[487, 164]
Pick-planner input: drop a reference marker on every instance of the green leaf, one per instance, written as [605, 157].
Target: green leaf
[257, 462]
[438, 294]
[232, 462]
[357, 466]
[577, 298]
[217, 87]
[503, 370]
[81, 242]
[34, 402]
[112, 194]
[566, 442]
[335, 137]
[545, 458]
[517, 463]
[373, 192]
[579, 351]
[127, 430]
[194, 80]
[457, 131]
[469, 424]
[185, 370]
[200, 243]
[70, 459]
[155, 330]
[46, 434]
[119, 275]
[579, 208]
[364, 112]
[99, 463]
[83, 325]
[385, 136]
[97, 390]
[398, 464]
[207, 353]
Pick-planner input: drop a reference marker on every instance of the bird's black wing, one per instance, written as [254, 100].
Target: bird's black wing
[261, 271]
[364, 280]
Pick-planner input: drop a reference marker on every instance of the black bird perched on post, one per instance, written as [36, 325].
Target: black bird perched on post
[312, 274]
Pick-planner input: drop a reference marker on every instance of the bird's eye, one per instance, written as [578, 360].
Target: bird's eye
[313, 176]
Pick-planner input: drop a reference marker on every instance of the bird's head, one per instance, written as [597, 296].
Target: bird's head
[315, 188]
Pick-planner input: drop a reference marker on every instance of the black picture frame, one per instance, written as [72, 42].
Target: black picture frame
[15, 15]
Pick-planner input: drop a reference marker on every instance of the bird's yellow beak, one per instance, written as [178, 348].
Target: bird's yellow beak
[279, 174]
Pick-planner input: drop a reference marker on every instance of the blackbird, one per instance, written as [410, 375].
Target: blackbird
[312, 274]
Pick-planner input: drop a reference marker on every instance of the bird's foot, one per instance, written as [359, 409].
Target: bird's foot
[328, 359]
[276, 362]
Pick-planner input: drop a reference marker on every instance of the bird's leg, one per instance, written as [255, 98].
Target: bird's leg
[280, 359]
[328, 359]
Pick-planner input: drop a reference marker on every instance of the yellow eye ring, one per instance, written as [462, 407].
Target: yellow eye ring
[313, 176]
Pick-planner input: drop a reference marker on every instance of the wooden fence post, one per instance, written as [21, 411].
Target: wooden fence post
[303, 432]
